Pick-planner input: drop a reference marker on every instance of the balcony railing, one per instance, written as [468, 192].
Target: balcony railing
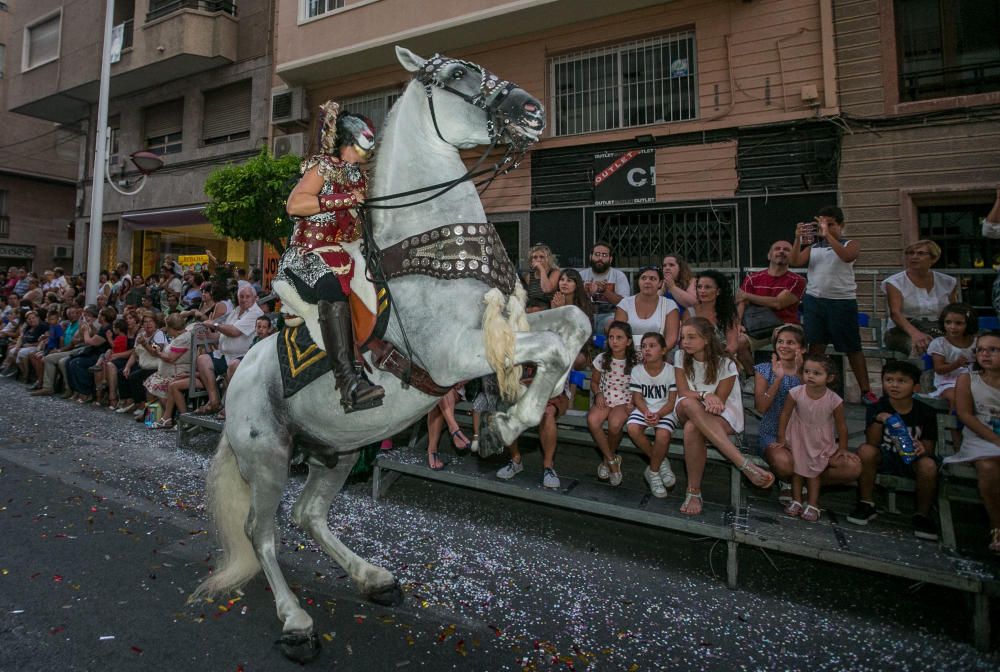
[127, 33]
[954, 81]
[161, 8]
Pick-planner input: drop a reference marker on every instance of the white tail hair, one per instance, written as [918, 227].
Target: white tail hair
[229, 506]
[504, 316]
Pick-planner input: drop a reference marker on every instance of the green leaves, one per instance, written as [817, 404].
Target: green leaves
[247, 201]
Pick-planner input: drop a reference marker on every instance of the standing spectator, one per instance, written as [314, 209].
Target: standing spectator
[55, 361]
[775, 289]
[991, 229]
[59, 278]
[134, 296]
[915, 298]
[606, 285]
[235, 333]
[170, 285]
[830, 306]
[255, 281]
[542, 280]
[678, 282]
[647, 311]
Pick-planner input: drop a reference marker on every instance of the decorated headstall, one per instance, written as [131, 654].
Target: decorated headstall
[514, 115]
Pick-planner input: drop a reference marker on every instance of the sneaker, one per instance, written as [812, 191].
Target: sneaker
[667, 474]
[510, 470]
[924, 528]
[784, 492]
[655, 483]
[127, 408]
[869, 398]
[550, 479]
[603, 472]
[862, 513]
[474, 446]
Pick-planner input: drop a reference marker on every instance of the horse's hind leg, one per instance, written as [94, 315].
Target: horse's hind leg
[298, 642]
[310, 513]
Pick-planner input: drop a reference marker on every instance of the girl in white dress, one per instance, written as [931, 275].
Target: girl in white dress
[977, 400]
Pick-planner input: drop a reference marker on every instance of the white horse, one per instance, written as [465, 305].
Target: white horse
[450, 105]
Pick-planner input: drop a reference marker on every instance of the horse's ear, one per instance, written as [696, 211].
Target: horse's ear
[408, 59]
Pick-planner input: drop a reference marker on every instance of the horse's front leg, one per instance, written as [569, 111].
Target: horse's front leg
[552, 360]
[573, 327]
[310, 513]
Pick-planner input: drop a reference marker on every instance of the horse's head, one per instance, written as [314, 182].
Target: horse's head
[512, 114]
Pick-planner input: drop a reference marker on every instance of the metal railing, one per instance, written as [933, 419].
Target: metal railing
[160, 8]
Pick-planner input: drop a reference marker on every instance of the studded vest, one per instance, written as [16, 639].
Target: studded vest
[340, 179]
[451, 252]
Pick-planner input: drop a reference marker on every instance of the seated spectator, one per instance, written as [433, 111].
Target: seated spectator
[542, 280]
[141, 364]
[770, 297]
[126, 329]
[571, 293]
[172, 377]
[952, 353]
[715, 304]
[80, 380]
[20, 282]
[915, 298]
[35, 294]
[977, 400]
[53, 341]
[900, 379]
[104, 284]
[772, 381]
[610, 380]
[71, 343]
[235, 334]
[441, 415]
[262, 330]
[654, 395]
[34, 332]
[647, 311]
[606, 285]
[678, 283]
[121, 295]
[547, 435]
[149, 302]
[209, 308]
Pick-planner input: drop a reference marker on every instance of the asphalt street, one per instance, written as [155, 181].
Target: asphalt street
[104, 536]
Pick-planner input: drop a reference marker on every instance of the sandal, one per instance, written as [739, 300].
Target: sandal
[435, 462]
[207, 409]
[810, 514]
[759, 477]
[689, 498]
[793, 509]
[162, 423]
[995, 540]
[457, 436]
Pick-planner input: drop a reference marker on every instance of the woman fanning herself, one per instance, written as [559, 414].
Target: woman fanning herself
[709, 407]
[678, 282]
[542, 281]
[715, 304]
[612, 399]
[647, 311]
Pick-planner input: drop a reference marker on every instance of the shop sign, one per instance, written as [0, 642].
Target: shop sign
[271, 257]
[18, 251]
[625, 177]
[193, 262]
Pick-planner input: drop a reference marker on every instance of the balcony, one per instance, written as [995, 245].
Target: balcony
[179, 38]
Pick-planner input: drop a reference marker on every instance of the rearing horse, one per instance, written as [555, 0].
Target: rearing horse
[450, 324]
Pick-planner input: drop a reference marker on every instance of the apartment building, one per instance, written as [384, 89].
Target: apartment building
[39, 162]
[728, 105]
[190, 82]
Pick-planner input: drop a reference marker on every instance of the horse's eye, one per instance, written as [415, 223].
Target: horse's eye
[458, 74]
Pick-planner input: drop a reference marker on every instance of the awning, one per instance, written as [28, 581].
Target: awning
[154, 219]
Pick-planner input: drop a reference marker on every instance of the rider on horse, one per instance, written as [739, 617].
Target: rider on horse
[324, 206]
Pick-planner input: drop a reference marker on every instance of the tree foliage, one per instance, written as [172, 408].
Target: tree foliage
[247, 201]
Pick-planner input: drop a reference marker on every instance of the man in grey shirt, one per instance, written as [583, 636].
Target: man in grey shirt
[605, 285]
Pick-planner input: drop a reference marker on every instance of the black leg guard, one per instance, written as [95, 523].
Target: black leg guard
[356, 392]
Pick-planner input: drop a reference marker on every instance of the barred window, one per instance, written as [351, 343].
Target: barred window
[703, 236]
[636, 84]
[957, 229]
[317, 7]
[375, 105]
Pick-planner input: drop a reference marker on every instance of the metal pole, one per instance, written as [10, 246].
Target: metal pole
[100, 160]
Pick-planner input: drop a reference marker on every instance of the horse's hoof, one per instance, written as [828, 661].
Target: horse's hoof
[390, 596]
[299, 647]
[490, 443]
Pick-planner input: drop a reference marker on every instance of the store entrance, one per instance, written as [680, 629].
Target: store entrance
[188, 245]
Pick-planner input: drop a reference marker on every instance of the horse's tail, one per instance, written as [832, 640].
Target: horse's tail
[229, 507]
[498, 334]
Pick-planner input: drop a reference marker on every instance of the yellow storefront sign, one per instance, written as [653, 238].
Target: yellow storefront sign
[194, 262]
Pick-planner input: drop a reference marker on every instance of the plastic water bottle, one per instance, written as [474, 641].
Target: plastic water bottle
[901, 439]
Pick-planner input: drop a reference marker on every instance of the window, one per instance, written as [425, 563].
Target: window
[114, 131]
[703, 236]
[3, 60]
[947, 47]
[958, 230]
[375, 106]
[4, 217]
[227, 113]
[317, 7]
[646, 82]
[41, 42]
[164, 125]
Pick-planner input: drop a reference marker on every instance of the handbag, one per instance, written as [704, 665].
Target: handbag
[760, 321]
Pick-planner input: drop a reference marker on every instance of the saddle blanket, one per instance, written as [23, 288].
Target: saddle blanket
[301, 361]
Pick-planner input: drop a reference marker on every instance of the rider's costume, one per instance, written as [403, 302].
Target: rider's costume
[315, 263]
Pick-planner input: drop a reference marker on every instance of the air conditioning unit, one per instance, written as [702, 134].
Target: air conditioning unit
[288, 106]
[293, 143]
[62, 252]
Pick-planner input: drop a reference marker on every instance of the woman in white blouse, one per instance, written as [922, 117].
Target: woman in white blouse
[915, 298]
[648, 311]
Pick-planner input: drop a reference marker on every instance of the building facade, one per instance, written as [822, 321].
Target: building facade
[190, 82]
[39, 162]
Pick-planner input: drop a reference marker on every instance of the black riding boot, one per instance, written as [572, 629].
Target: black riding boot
[356, 392]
